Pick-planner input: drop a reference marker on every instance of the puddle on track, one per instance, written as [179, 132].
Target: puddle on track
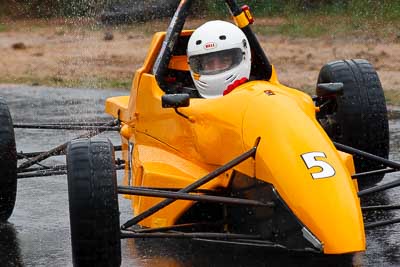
[38, 231]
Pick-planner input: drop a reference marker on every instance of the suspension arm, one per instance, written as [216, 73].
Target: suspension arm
[250, 153]
[130, 190]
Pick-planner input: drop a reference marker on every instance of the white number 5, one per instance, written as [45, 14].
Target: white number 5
[310, 159]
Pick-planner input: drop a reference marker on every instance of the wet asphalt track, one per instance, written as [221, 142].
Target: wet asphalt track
[38, 231]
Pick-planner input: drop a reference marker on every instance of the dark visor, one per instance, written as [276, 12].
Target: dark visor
[216, 62]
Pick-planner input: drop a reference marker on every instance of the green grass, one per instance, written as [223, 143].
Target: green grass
[315, 25]
[56, 81]
[317, 19]
[3, 28]
[299, 27]
[392, 97]
[340, 18]
[89, 83]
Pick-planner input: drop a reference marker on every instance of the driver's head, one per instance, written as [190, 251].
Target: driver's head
[219, 54]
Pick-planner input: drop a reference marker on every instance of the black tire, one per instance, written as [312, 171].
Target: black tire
[358, 118]
[8, 163]
[93, 203]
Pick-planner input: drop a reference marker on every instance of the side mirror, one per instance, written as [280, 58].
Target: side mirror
[326, 89]
[175, 100]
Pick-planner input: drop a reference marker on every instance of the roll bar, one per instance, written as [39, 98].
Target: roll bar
[261, 66]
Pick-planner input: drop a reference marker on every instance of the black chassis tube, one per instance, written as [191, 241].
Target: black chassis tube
[174, 29]
[352, 150]
[381, 207]
[22, 155]
[195, 185]
[259, 53]
[381, 223]
[51, 171]
[59, 149]
[189, 235]
[386, 162]
[67, 127]
[363, 174]
[175, 227]
[379, 188]
[137, 191]
[71, 124]
[41, 174]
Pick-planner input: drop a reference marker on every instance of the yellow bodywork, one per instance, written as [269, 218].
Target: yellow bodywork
[171, 151]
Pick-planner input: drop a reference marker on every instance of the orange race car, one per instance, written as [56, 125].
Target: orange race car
[265, 165]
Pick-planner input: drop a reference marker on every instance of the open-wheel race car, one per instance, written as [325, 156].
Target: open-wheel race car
[264, 166]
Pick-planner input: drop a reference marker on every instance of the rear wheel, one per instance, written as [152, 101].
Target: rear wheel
[8, 163]
[358, 118]
[93, 203]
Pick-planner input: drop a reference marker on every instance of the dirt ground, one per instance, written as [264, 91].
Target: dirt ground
[77, 53]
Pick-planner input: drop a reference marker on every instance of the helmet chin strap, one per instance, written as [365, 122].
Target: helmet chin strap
[235, 84]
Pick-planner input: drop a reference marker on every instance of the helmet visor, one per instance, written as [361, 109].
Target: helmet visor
[216, 62]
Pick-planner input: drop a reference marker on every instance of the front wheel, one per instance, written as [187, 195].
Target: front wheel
[8, 163]
[358, 117]
[93, 203]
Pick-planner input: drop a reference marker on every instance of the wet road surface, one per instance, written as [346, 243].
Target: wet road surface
[38, 231]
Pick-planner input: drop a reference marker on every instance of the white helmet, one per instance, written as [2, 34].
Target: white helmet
[219, 54]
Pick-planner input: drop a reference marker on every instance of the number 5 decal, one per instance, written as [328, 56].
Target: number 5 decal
[310, 159]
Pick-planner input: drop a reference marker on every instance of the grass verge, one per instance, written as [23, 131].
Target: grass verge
[54, 81]
[3, 28]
